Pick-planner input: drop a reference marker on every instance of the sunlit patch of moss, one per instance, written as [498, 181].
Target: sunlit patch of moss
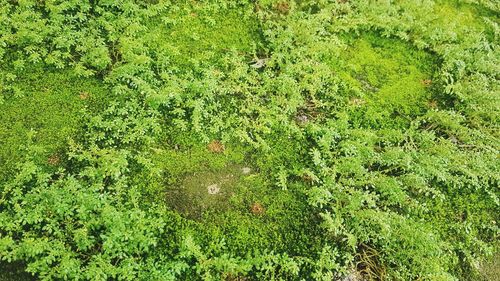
[389, 80]
[198, 32]
[460, 17]
[50, 108]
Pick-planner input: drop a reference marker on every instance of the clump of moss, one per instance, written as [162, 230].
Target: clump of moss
[49, 110]
[389, 80]
[200, 32]
[203, 190]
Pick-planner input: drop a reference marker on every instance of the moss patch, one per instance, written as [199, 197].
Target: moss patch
[205, 189]
[247, 209]
[490, 269]
[461, 18]
[389, 80]
[195, 179]
[49, 109]
[196, 32]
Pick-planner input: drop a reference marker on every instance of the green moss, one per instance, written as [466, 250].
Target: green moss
[207, 189]
[198, 32]
[50, 110]
[338, 180]
[285, 217]
[187, 172]
[389, 80]
[461, 18]
[490, 269]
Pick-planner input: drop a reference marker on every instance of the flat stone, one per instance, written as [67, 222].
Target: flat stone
[246, 170]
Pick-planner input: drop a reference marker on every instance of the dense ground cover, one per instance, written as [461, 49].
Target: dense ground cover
[249, 140]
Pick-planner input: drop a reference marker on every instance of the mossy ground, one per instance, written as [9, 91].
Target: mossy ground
[490, 269]
[200, 31]
[387, 77]
[190, 175]
[186, 173]
[461, 17]
[390, 81]
[47, 113]
[203, 32]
